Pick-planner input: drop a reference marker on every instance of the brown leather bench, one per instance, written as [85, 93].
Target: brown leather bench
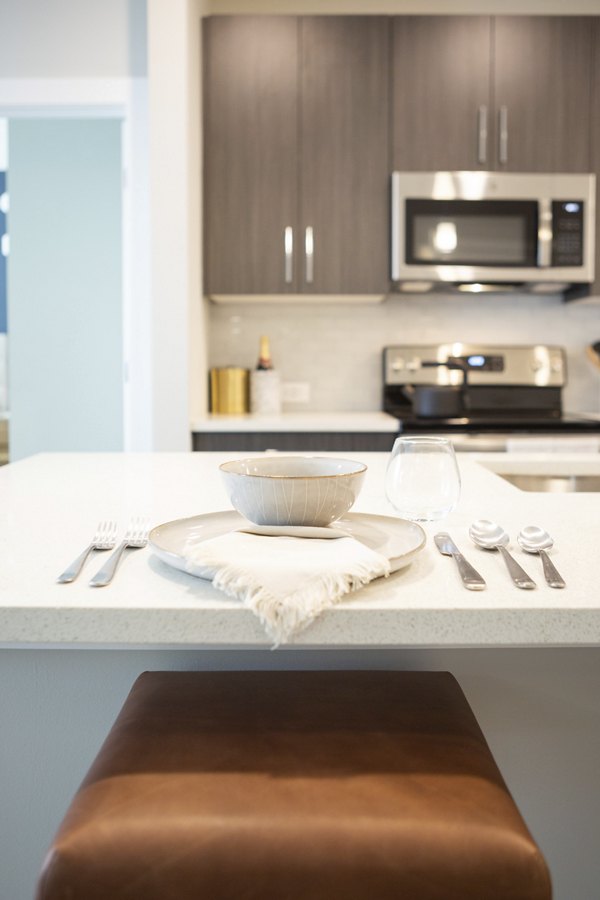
[294, 786]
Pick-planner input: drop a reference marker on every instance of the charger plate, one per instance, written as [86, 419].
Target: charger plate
[398, 539]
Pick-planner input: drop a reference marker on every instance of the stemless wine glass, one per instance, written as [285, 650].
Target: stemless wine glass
[422, 480]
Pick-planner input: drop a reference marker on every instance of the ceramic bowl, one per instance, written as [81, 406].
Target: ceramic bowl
[293, 490]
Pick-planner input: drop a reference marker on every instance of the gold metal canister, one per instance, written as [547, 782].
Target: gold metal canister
[229, 390]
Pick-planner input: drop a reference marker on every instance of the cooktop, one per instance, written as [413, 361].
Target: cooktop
[573, 423]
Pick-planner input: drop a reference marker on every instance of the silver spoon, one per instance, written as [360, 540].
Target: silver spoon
[535, 540]
[490, 536]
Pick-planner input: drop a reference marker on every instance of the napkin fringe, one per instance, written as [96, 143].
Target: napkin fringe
[284, 617]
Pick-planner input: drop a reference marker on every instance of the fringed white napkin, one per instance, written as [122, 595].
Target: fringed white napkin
[286, 581]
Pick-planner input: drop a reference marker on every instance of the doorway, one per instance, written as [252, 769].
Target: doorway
[64, 278]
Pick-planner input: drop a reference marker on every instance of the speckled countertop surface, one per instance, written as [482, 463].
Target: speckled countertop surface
[299, 421]
[51, 503]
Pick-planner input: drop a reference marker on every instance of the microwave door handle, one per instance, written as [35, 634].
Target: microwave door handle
[544, 243]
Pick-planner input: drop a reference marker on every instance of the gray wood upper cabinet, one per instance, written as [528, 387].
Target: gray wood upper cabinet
[504, 93]
[441, 90]
[542, 77]
[345, 163]
[250, 151]
[296, 154]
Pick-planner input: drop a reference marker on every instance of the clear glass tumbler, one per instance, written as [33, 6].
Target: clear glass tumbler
[422, 480]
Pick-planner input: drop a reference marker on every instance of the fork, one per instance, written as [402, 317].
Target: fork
[105, 538]
[136, 537]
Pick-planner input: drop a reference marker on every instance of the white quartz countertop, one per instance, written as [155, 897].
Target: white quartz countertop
[299, 421]
[51, 504]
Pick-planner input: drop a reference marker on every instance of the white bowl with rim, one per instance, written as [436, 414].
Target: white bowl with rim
[293, 490]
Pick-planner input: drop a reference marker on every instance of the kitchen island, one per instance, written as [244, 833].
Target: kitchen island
[527, 660]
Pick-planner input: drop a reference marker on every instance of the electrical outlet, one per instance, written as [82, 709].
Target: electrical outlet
[295, 392]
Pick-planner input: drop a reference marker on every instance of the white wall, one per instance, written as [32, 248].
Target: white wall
[94, 45]
[79, 58]
[175, 214]
[72, 38]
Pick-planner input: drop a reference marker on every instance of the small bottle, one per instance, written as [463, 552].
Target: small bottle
[265, 389]
[264, 354]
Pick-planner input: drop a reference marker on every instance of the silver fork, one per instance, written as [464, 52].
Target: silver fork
[136, 537]
[105, 538]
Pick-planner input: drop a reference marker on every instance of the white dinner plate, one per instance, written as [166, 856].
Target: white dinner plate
[397, 539]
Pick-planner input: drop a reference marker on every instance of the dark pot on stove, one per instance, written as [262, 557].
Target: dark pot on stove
[437, 400]
[441, 402]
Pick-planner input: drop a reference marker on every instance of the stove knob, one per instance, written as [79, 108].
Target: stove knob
[397, 365]
[413, 365]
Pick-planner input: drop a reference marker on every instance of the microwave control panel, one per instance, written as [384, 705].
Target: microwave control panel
[567, 232]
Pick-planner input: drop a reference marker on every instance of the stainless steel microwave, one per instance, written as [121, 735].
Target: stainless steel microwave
[493, 231]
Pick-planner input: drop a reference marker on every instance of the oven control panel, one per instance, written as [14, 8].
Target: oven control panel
[532, 365]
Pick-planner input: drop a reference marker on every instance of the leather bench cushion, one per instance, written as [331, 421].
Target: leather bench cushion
[294, 786]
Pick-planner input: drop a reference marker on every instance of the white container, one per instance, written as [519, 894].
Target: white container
[265, 391]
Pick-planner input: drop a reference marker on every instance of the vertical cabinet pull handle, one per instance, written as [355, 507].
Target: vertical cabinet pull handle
[482, 134]
[503, 135]
[309, 251]
[397, 229]
[288, 250]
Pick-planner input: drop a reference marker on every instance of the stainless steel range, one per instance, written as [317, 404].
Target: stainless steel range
[481, 396]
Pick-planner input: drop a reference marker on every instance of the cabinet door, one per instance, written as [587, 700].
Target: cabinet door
[441, 93]
[595, 148]
[250, 151]
[542, 82]
[345, 165]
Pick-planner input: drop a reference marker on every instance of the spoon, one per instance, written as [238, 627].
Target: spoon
[490, 536]
[535, 540]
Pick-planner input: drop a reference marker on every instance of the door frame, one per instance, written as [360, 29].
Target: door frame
[124, 99]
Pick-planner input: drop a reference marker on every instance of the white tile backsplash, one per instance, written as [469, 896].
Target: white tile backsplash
[336, 348]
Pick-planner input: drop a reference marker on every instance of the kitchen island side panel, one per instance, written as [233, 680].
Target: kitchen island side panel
[537, 709]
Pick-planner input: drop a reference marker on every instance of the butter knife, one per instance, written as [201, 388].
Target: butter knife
[472, 580]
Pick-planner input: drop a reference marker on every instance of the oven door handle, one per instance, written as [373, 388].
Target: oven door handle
[545, 234]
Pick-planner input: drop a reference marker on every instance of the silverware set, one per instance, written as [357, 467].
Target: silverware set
[489, 536]
[485, 534]
[105, 538]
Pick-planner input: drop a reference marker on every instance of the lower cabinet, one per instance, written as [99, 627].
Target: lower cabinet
[302, 441]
